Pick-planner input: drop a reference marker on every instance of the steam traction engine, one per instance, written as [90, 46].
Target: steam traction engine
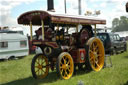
[62, 49]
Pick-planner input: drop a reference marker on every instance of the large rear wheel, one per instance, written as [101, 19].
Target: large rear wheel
[95, 58]
[65, 65]
[39, 66]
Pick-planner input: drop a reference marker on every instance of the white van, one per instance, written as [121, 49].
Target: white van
[13, 45]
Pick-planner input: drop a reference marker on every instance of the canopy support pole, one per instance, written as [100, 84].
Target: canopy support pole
[42, 22]
[30, 30]
[57, 27]
[95, 29]
[67, 30]
[77, 28]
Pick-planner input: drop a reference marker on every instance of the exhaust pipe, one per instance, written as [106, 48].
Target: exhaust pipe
[50, 4]
[79, 7]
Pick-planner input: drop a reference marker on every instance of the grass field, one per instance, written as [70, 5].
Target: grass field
[18, 72]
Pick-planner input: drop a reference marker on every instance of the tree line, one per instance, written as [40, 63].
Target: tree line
[120, 24]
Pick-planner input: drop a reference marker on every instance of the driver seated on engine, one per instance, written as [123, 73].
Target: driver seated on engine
[47, 33]
[60, 36]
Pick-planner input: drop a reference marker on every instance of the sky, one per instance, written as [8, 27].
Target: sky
[10, 10]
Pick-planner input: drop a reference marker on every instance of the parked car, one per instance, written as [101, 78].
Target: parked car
[112, 43]
[126, 38]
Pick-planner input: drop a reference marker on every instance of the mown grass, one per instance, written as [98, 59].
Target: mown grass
[18, 72]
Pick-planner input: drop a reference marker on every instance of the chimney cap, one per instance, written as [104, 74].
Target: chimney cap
[52, 10]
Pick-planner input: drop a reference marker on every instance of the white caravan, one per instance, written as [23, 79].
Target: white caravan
[13, 45]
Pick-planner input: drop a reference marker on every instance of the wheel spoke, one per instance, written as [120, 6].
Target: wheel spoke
[37, 71]
[45, 66]
[96, 50]
[64, 61]
[42, 60]
[97, 65]
[37, 62]
[92, 61]
[91, 52]
[68, 69]
[63, 58]
[96, 46]
[66, 73]
[67, 62]
[42, 70]
[36, 66]
[42, 63]
[62, 71]
[91, 58]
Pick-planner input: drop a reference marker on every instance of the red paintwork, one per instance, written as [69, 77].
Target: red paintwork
[52, 44]
[84, 36]
[48, 43]
[74, 55]
[78, 54]
[31, 47]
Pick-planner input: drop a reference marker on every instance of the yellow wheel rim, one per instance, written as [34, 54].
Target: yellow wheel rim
[96, 54]
[41, 66]
[66, 66]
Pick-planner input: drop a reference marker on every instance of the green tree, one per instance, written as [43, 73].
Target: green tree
[115, 22]
[120, 24]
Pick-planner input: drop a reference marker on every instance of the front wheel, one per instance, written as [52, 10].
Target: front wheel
[65, 65]
[39, 66]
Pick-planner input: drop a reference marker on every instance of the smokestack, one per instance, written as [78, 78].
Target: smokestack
[79, 6]
[65, 6]
[50, 4]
